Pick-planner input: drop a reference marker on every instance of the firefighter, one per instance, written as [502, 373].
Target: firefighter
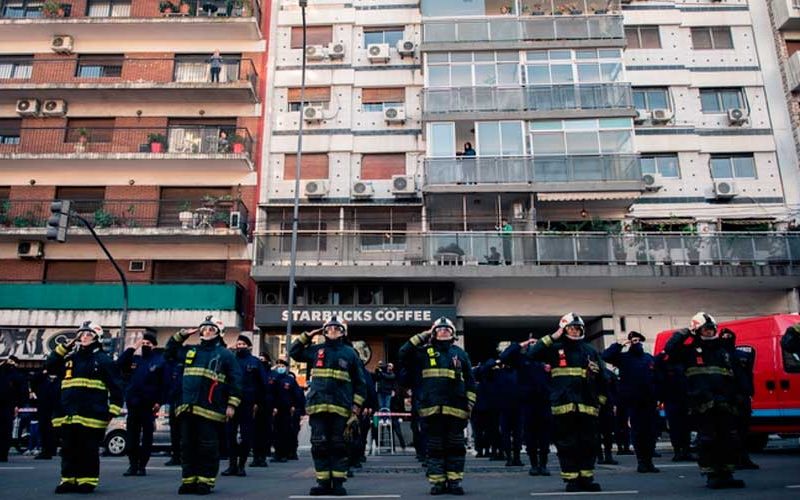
[672, 388]
[745, 359]
[791, 339]
[143, 397]
[576, 387]
[713, 394]
[91, 395]
[446, 395]
[254, 385]
[637, 391]
[337, 390]
[211, 392]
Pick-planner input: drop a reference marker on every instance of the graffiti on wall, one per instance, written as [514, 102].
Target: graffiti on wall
[37, 343]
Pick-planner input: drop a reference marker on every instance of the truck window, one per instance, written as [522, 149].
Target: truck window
[791, 362]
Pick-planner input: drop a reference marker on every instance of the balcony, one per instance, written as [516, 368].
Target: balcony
[544, 101]
[787, 14]
[534, 173]
[218, 20]
[793, 72]
[589, 259]
[204, 147]
[155, 219]
[130, 79]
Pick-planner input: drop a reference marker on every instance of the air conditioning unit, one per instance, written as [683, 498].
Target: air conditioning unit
[316, 189]
[662, 115]
[136, 266]
[62, 44]
[737, 116]
[652, 182]
[406, 47]
[378, 52]
[28, 107]
[235, 219]
[54, 107]
[29, 250]
[725, 189]
[316, 53]
[336, 50]
[362, 189]
[642, 115]
[312, 114]
[403, 185]
[394, 114]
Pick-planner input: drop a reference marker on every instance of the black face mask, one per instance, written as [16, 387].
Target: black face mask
[637, 348]
[146, 350]
[242, 351]
[442, 343]
[728, 343]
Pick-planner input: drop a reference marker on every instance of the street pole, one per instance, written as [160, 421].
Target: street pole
[296, 209]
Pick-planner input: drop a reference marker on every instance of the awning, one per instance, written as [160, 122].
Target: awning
[745, 222]
[675, 220]
[590, 195]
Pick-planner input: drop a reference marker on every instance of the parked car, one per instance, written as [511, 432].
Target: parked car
[116, 440]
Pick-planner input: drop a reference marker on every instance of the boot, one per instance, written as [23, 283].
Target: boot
[517, 462]
[455, 488]
[608, 459]
[240, 470]
[232, 469]
[187, 489]
[84, 488]
[543, 464]
[133, 468]
[572, 486]
[509, 462]
[338, 488]
[588, 484]
[172, 462]
[202, 489]
[322, 488]
[65, 488]
[534, 470]
[438, 489]
[259, 462]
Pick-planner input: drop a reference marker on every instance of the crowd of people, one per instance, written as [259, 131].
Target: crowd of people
[226, 402]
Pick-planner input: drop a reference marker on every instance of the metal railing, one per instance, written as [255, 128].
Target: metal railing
[129, 69]
[506, 29]
[133, 214]
[534, 248]
[522, 169]
[530, 98]
[217, 9]
[154, 141]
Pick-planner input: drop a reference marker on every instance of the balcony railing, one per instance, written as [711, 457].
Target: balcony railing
[154, 142]
[133, 214]
[144, 70]
[530, 169]
[534, 28]
[526, 249]
[531, 98]
[216, 9]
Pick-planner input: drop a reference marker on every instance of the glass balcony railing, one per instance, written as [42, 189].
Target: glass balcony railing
[530, 169]
[526, 249]
[531, 98]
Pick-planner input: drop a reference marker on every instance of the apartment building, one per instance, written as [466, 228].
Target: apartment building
[630, 162]
[147, 116]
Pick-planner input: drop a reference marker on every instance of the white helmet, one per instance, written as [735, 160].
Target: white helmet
[214, 323]
[703, 320]
[91, 327]
[443, 323]
[334, 321]
[572, 319]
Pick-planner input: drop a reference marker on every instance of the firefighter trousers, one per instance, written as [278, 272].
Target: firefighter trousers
[199, 450]
[576, 439]
[446, 448]
[328, 448]
[80, 459]
[718, 443]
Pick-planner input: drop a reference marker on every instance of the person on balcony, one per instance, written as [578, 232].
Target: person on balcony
[468, 164]
[215, 61]
[505, 235]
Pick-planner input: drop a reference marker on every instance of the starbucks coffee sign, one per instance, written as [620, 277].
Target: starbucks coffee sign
[367, 316]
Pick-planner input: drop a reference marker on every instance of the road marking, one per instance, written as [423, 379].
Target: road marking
[577, 493]
[794, 486]
[17, 468]
[674, 466]
[348, 496]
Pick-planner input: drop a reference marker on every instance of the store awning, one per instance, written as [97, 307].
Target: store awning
[590, 196]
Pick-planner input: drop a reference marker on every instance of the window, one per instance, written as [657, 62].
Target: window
[315, 35]
[383, 237]
[441, 139]
[562, 66]
[379, 99]
[382, 165]
[166, 271]
[109, 8]
[582, 137]
[733, 167]
[70, 270]
[105, 66]
[15, 67]
[471, 69]
[642, 37]
[314, 166]
[312, 236]
[23, 8]
[654, 98]
[383, 35]
[791, 362]
[98, 129]
[664, 164]
[85, 200]
[10, 130]
[314, 96]
[369, 295]
[720, 100]
[712, 38]
[500, 139]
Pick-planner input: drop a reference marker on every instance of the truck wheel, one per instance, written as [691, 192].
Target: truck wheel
[757, 442]
[116, 443]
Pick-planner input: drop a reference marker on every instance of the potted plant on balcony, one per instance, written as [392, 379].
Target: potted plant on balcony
[166, 7]
[238, 142]
[158, 142]
[221, 219]
[5, 208]
[103, 219]
[52, 8]
[186, 216]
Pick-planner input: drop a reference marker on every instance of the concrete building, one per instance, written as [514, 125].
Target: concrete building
[115, 105]
[629, 162]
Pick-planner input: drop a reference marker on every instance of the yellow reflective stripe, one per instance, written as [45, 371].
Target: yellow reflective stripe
[547, 340]
[417, 339]
[79, 420]
[358, 399]
[189, 480]
[472, 396]
[439, 373]
[427, 412]
[455, 476]
[590, 410]
[602, 399]
[436, 478]
[444, 410]
[61, 350]
[328, 408]
[338, 474]
[88, 383]
[114, 409]
[194, 371]
[178, 338]
[330, 373]
[323, 475]
[569, 475]
[94, 481]
[206, 480]
[209, 414]
[67, 480]
[708, 370]
[586, 473]
[234, 401]
[562, 409]
[568, 372]
[304, 338]
[180, 409]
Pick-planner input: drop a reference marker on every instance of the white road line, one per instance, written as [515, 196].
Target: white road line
[674, 466]
[17, 468]
[348, 496]
[794, 486]
[581, 493]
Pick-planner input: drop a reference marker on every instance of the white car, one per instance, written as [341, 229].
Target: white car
[116, 440]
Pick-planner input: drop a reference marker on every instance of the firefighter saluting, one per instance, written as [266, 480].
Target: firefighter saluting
[210, 394]
[91, 395]
[576, 393]
[337, 390]
[445, 396]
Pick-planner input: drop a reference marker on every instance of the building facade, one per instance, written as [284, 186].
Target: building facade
[147, 116]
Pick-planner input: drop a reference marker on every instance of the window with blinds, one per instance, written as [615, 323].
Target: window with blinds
[109, 8]
[314, 96]
[16, 67]
[100, 66]
[377, 99]
[205, 271]
[10, 130]
[314, 166]
[315, 35]
[70, 270]
[382, 166]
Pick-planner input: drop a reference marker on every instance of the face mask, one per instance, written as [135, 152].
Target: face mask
[242, 351]
[281, 370]
[637, 348]
[146, 350]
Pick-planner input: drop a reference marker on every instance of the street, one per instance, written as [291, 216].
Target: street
[401, 477]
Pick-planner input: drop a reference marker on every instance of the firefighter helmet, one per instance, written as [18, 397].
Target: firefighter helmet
[91, 327]
[444, 323]
[334, 321]
[214, 323]
[702, 320]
